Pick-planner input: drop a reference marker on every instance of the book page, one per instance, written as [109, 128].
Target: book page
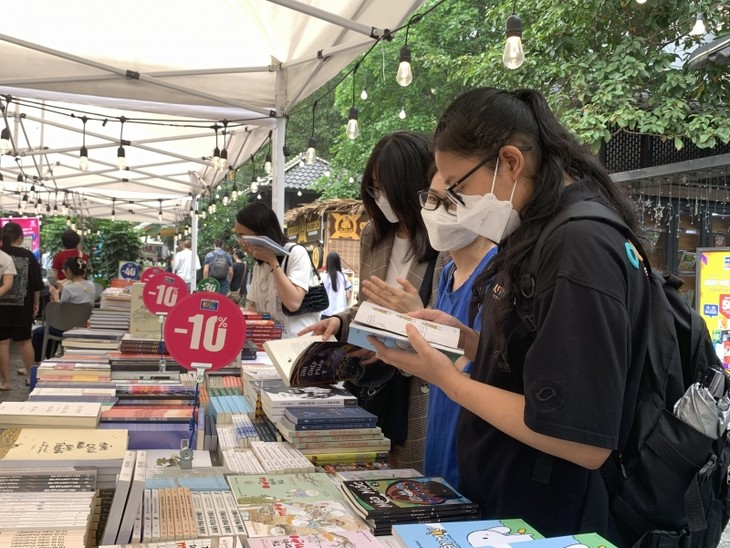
[265, 241]
[284, 353]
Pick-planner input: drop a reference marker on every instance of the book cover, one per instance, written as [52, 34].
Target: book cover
[134, 499]
[326, 416]
[402, 495]
[324, 539]
[145, 413]
[170, 459]
[307, 431]
[465, 534]
[308, 361]
[377, 474]
[119, 501]
[42, 447]
[265, 241]
[44, 413]
[300, 518]
[285, 396]
[259, 489]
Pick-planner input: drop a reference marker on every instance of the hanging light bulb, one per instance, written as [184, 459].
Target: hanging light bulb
[216, 151]
[159, 213]
[254, 187]
[299, 192]
[223, 160]
[267, 164]
[23, 202]
[699, 27]
[353, 128]
[513, 55]
[641, 1]
[364, 95]
[114, 213]
[402, 113]
[5, 141]
[311, 155]
[226, 199]
[404, 76]
[121, 154]
[234, 192]
[258, 196]
[84, 153]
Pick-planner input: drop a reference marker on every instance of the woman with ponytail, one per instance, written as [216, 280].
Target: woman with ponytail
[539, 415]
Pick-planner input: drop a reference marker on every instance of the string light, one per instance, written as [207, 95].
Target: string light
[84, 153]
[223, 160]
[311, 156]
[114, 213]
[353, 128]
[121, 154]
[159, 213]
[404, 76]
[267, 161]
[5, 141]
[216, 150]
[402, 113]
[699, 26]
[299, 192]
[514, 54]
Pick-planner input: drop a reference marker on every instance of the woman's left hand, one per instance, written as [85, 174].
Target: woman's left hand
[401, 299]
[426, 363]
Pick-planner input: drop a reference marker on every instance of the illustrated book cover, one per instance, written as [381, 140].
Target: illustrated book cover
[389, 327]
[317, 396]
[308, 361]
[465, 534]
[323, 539]
[258, 489]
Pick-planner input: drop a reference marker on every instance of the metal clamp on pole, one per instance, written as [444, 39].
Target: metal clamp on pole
[200, 369]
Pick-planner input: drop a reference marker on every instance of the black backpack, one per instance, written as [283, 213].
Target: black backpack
[219, 265]
[667, 483]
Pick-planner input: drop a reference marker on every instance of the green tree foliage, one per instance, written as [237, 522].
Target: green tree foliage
[605, 67]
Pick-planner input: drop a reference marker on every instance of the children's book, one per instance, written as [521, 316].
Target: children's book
[265, 241]
[465, 534]
[389, 327]
[584, 540]
[256, 490]
[323, 539]
[307, 361]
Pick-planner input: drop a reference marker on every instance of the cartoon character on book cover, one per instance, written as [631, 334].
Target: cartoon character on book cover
[422, 493]
[299, 518]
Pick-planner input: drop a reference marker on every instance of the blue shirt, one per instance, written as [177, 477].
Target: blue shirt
[443, 414]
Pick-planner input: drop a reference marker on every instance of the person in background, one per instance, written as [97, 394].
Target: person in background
[275, 280]
[20, 305]
[337, 285]
[185, 264]
[396, 256]
[7, 272]
[540, 414]
[71, 241]
[237, 289]
[218, 264]
[77, 289]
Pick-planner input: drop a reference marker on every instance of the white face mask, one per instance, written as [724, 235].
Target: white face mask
[384, 206]
[487, 216]
[444, 231]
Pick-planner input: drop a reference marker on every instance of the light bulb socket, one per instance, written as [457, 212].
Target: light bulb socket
[216, 152]
[405, 54]
[286, 151]
[353, 114]
[312, 143]
[514, 26]
[84, 153]
[224, 154]
[121, 152]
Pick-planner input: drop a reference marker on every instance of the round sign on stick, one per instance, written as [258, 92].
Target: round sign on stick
[149, 272]
[205, 331]
[163, 291]
[209, 284]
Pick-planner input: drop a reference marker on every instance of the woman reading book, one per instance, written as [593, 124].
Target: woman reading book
[396, 258]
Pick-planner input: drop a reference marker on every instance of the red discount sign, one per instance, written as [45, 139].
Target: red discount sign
[149, 272]
[163, 291]
[205, 330]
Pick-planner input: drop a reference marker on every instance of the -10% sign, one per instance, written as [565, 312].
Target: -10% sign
[162, 292]
[205, 331]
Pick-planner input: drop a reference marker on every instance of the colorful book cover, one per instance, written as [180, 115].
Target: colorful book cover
[307, 361]
[285, 396]
[323, 539]
[132, 413]
[585, 540]
[399, 495]
[309, 415]
[465, 534]
[259, 489]
[300, 518]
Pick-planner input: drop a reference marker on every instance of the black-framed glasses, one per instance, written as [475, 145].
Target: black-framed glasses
[373, 192]
[430, 201]
[450, 191]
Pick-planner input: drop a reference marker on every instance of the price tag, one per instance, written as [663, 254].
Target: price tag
[128, 270]
[205, 328]
[209, 284]
[149, 272]
[163, 291]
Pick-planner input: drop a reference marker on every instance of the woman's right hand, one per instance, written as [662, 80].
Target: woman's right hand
[327, 328]
[468, 340]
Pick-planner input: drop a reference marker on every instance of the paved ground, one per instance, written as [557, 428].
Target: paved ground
[19, 392]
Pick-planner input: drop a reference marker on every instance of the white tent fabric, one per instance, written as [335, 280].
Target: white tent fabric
[189, 63]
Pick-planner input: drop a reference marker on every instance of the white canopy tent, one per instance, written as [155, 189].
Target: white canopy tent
[156, 76]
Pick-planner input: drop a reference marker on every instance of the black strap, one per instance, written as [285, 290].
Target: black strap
[311, 262]
[427, 286]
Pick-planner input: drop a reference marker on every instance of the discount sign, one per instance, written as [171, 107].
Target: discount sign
[163, 291]
[149, 272]
[205, 328]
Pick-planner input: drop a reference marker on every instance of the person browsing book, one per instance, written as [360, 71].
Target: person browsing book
[540, 415]
[77, 289]
[337, 285]
[396, 255]
[276, 280]
[20, 305]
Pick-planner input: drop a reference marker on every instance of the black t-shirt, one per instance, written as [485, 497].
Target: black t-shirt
[237, 280]
[591, 308]
[27, 281]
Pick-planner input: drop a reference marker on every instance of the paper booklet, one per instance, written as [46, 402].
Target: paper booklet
[265, 241]
[389, 327]
[310, 361]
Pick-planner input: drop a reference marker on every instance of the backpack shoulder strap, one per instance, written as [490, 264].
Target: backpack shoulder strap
[427, 286]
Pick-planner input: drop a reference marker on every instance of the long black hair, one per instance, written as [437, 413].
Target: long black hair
[334, 265]
[10, 233]
[262, 221]
[481, 121]
[400, 162]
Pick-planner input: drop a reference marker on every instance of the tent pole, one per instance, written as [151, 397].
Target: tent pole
[277, 165]
[367, 30]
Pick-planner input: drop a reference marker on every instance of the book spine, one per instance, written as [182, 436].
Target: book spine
[211, 520]
[155, 536]
[188, 519]
[162, 498]
[137, 529]
[236, 520]
[147, 519]
[201, 523]
[222, 513]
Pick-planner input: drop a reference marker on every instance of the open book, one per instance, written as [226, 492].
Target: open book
[309, 361]
[389, 327]
[265, 241]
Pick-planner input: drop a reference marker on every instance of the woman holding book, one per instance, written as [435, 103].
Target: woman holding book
[541, 413]
[397, 258]
[77, 289]
[277, 281]
[20, 305]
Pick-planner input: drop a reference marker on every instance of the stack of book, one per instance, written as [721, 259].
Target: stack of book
[104, 318]
[276, 397]
[260, 329]
[334, 434]
[253, 377]
[74, 368]
[30, 414]
[116, 298]
[143, 366]
[47, 507]
[104, 393]
[82, 340]
[142, 345]
[386, 502]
